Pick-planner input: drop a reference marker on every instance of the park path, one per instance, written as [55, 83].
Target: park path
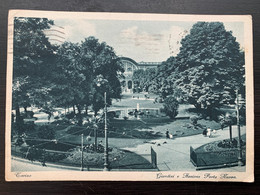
[175, 154]
[23, 165]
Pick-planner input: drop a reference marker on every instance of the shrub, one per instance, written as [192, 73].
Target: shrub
[170, 107]
[46, 132]
[20, 128]
[54, 157]
[28, 114]
[70, 115]
[56, 117]
[242, 112]
[228, 144]
[194, 120]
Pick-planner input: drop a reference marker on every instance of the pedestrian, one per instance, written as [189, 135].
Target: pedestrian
[204, 133]
[209, 132]
[167, 135]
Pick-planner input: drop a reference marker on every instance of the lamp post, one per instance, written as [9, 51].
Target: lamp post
[106, 138]
[240, 163]
[82, 147]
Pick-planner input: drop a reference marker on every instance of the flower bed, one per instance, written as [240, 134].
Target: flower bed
[217, 153]
[118, 159]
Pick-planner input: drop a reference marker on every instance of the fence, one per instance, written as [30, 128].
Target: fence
[153, 158]
[59, 158]
[215, 158]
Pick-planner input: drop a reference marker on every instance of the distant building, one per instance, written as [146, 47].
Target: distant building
[130, 66]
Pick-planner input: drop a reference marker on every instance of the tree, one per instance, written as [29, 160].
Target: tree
[79, 68]
[101, 64]
[138, 80]
[144, 80]
[170, 107]
[210, 66]
[165, 78]
[33, 57]
[70, 85]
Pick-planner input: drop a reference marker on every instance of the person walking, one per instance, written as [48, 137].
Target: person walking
[209, 132]
[167, 134]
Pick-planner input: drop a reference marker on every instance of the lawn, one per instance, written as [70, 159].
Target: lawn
[147, 127]
[128, 102]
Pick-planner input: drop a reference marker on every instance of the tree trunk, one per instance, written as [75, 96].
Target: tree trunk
[19, 120]
[197, 106]
[18, 114]
[95, 135]
[79, 109]
[79, 116]
[86, 109]
[230, 132]
[209, 111]
[25, 109]
[74, 109]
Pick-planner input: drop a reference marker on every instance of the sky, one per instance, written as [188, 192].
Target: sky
[148, 41]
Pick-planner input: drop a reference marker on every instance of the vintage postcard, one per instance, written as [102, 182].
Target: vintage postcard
[129, 97]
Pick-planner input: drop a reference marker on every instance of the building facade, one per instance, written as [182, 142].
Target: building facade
[130, 66]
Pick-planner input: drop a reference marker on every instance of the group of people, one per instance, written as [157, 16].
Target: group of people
[208, 132]
[168, 135]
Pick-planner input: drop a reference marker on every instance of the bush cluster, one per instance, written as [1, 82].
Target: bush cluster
[194, 120]
[170, 107]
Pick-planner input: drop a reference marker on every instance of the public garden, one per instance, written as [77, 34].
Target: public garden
[70, 109]
[129, 140]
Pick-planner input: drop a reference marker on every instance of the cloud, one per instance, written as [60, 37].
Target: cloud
[142, 39]
[154, 46]
[76, 30]
[174, 36]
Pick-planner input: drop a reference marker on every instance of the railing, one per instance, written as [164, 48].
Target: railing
[149, 63]
[153, 158]
[215, 158]
[57, 158]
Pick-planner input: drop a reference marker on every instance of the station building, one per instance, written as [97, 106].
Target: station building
[130, 66]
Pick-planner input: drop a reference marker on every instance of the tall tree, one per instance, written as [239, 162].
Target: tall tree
[103, 67]
[33, 57]
[165, 77]
[210, 66]
[144, 80]
[79, 68]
